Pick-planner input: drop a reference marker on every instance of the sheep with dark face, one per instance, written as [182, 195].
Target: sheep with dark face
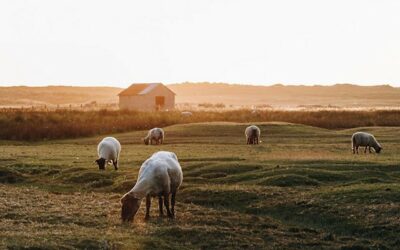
[252, 134]
[366, 140]
[161, 176]
[156, 134]
[108, 150]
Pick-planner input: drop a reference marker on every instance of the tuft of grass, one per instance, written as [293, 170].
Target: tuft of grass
[10, 176]
[86, 177]
[289, 181]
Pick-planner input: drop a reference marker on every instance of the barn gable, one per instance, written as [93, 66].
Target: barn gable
[142, 89]
[147, 96]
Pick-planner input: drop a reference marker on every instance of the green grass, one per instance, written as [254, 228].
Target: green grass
[300, 188]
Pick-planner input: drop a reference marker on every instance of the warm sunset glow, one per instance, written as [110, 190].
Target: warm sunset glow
[115, 43]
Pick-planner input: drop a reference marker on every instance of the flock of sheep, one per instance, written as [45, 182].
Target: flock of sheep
[161, 174]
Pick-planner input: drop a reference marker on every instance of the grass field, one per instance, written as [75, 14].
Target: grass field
[300, 188]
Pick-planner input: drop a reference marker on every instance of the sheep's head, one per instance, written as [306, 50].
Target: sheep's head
[146, 140]
[102, 163]
[130, 206]
[378, 150]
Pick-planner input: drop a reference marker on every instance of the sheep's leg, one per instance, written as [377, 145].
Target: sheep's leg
[173, 204]
[365, 150]
[166, 204]
[115, 163]
[354, 150]
[148, 204]
[357, 149]
[369, 148]
[160, 206]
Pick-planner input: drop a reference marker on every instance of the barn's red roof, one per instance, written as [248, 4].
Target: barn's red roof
[140, 89]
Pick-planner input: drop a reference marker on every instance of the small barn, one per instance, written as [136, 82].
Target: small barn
[147, 96]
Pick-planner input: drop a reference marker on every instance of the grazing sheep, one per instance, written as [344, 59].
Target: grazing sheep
[186, 113]
[252, 134]
[156, 134]
[108, 150]
[365, 139]
[160, 175]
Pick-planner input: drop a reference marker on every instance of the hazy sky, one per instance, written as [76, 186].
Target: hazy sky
[115, 43]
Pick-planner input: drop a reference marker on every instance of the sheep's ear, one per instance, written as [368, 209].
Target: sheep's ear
[123, 199]
[127, 196]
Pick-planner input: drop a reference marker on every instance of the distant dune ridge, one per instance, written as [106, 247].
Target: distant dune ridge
[281, 95]
[56, 95]
[278, 95]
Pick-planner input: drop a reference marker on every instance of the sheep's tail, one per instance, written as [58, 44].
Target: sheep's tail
[353, 142]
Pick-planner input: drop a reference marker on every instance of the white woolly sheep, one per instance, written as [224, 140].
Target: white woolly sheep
[156, 134]
[108, 150]
[252, 134]
[160, 175]
[365, 139]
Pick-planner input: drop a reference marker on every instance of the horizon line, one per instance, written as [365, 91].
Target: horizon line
[204, 82]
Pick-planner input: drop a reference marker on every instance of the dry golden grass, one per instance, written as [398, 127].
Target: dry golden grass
[62, 124]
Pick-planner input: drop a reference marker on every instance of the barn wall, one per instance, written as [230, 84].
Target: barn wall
[147, 102]
[162, 91]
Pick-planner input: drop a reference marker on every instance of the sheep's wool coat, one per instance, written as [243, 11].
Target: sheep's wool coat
[156, 134]
[109, 148]
[364, 139]
[159, 174]
[249, 131]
